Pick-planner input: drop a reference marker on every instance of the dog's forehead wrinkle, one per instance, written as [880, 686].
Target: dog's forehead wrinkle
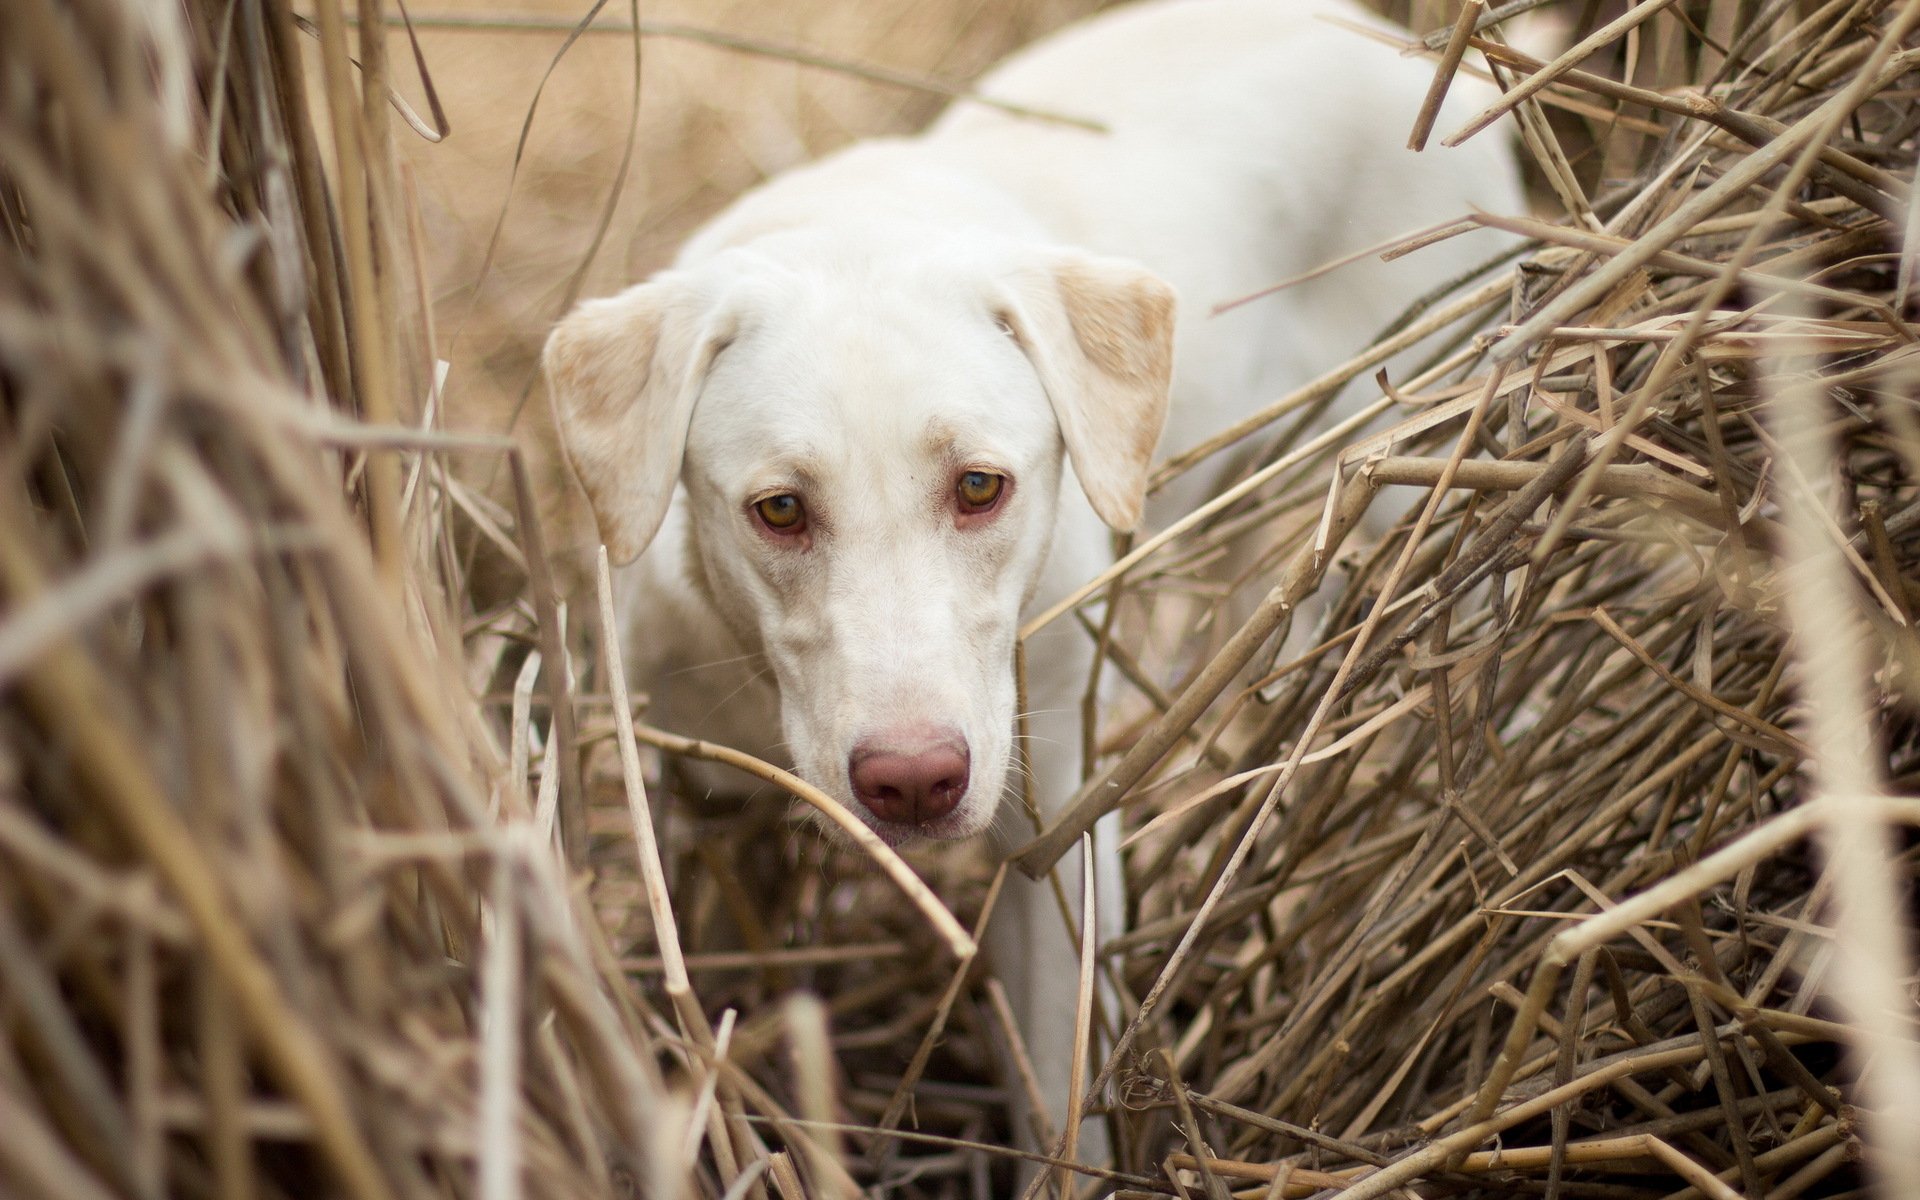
[894, 320]
[856, 416]
[966, 446]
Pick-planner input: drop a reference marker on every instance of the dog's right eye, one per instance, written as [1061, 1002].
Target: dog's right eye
[782, 513]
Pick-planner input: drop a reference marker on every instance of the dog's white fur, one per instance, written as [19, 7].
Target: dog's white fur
[996, 295]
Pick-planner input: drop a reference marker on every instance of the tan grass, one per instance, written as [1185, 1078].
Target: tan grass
[327, 868]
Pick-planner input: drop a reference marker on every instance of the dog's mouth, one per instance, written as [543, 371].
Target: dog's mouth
[956, 826]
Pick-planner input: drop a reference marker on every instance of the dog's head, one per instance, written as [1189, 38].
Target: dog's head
[872, 452]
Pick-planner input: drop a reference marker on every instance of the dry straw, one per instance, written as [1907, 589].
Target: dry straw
[276, 917]
[1571, 860]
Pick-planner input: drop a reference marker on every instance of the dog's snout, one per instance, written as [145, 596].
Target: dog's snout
[910, 779]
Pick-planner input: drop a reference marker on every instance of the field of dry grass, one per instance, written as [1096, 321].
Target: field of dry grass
[1576, 860]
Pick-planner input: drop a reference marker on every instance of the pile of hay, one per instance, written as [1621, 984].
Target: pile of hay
[1561, 865]
[279, 914]
[1493, 890]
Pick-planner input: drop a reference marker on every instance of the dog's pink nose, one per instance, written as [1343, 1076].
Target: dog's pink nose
[910, 780]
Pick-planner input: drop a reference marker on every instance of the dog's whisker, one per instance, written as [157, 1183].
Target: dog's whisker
[715, 664]
[1037, 739]
[746, 683]
[1041, 712]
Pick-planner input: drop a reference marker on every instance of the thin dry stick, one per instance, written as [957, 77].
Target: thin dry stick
[1871, 973]
[938, 915]
[813, 1070]
[786, 1176]
[759, 47]
[1444, 1152]
[666, 930]
[369, 319]
[1691, 1171]
[679, 987]
[1463, 28]
[1083, 1015]
[223, 1070]
[1573, 57]
[570, 795]
[498, 1133]
[1202, 1156]
[1002, 1008]
[705, 1120]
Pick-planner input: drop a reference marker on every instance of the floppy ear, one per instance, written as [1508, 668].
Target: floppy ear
[622, 376]
[1099, 332]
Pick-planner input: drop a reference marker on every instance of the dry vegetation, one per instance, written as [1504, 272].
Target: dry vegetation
[1573, 861]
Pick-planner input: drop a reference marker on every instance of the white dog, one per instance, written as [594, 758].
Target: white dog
[886, 404]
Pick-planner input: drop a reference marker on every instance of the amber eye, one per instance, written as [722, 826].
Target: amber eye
[782, 513]
[978, 490]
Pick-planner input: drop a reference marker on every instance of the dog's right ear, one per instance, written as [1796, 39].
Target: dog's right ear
[622, 376]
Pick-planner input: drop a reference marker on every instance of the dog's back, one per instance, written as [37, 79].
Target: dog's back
[1249, 142]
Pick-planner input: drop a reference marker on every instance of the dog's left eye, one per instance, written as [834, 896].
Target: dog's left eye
[782, 513]
[979, 490]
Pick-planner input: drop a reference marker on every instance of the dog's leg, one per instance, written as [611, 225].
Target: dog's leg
[1033, 949]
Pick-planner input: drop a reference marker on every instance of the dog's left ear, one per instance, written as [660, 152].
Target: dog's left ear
[1099, 332]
